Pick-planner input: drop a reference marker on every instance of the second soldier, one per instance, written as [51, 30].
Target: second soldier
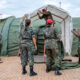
[51, 47]
[28, 46]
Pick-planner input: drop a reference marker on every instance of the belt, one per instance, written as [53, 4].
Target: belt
[26, 39]
[50, 38]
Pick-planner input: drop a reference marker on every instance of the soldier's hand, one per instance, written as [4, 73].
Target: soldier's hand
[76, 30]
[19, 52]
[72, 31]
[60, 39]
[38, 13]
[36, 47]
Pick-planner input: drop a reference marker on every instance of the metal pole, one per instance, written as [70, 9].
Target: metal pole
[60, 4]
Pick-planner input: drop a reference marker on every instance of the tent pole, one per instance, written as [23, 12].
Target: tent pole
[64, 39]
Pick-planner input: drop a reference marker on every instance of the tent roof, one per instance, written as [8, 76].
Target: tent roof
[4, 16]
[58, 13]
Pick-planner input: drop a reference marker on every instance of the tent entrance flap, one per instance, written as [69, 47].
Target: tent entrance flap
[40, 40]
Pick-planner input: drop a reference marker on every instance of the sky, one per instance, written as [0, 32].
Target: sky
[19, 7]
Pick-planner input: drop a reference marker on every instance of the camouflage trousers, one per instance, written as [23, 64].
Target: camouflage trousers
[27, 54]
[53, 59]
[61, 50]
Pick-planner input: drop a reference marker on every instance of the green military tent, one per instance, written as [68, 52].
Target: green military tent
[10, 29]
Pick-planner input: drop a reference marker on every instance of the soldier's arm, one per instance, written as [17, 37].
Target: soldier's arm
[21, 28]
[75, 33]
[34, 41]
[78, 32]
[58, 35]
[79, 35]
[48, 13]
[33, 38]
[40, 17]
[38, 13]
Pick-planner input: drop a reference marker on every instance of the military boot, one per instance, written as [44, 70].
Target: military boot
[47, 69]
[57, 71]
[24, 70]
[32, 73]
[79, 61]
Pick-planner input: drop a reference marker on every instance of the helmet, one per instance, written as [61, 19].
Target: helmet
[49, 21]
[43, 10]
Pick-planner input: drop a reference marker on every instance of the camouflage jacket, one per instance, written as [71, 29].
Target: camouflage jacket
[26, 35]
[46, 15]
[51, 36]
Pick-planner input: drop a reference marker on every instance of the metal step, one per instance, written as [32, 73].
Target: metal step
[39, 59]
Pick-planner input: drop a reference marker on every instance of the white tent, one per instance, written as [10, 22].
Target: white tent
[64, 19]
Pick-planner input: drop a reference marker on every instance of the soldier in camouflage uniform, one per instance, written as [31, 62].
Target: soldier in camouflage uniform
[51, 47]
[45, 14]
[28, 46]
[77, 34]
[0, 46]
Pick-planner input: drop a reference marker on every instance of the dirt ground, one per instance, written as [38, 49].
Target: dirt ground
[10, 69]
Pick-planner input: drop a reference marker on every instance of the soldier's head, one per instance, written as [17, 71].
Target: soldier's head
[43, 10]
[49, 22]
[27, 22]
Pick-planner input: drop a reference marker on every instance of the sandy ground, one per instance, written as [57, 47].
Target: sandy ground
[10, 69]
